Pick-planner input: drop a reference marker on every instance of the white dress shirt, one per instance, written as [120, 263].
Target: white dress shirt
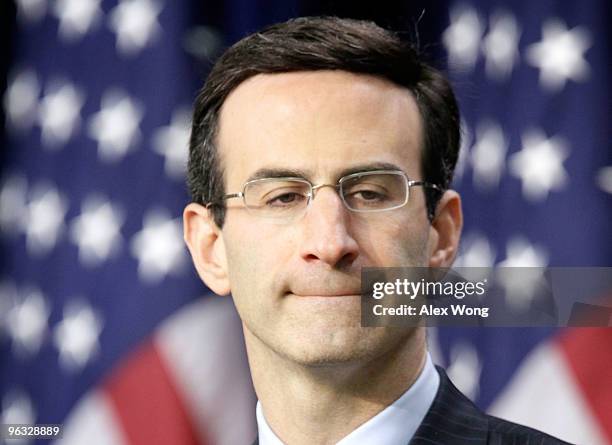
[395, 425]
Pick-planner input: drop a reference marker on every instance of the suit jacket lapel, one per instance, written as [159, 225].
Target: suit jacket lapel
[452, 418]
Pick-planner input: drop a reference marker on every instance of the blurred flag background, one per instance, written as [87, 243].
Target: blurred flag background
[104, 325]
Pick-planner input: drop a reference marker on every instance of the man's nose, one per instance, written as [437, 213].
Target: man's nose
[326, 235]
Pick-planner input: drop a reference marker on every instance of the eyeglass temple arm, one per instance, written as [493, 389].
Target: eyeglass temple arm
[223, 198]
[425, 184]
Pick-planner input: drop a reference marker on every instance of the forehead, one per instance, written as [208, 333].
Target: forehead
[318, 122]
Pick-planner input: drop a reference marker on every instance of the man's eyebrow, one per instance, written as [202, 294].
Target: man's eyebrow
[278, 173]
[306, 174]
[368, 168]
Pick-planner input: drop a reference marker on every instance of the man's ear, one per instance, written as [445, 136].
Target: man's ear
[205, 242]
[445, 230]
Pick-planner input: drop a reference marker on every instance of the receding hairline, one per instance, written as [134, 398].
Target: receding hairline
[392, 87]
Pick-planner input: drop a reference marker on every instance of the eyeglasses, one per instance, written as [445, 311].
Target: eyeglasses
[288, 198]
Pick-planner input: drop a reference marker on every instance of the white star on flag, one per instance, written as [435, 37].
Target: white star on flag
[21, 100]
[17, 408]
[520, 253]
[158, 247]
[560, 54]
[116, 125]
[96, 231]
[604, 179]
[31, 10]
[59, 113]
[12, 203]
[135, 23]
[76, 336]
[172, 142]
[500, 46]
[26, 322]
[43, 219]
[462, 37]
[521, 272]
[76, 17]
[488, 155]
[476, 257]
[476, 252]
[465, 368]
[539, 165]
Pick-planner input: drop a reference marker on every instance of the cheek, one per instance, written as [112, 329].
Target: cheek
[255, 254]
[393, 241]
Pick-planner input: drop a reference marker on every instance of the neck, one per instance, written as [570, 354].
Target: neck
[305, 404]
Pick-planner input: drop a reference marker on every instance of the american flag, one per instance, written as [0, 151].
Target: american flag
[104, 325]
[535, 175]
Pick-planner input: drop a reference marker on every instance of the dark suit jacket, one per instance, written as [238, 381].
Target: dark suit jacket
[453, 419]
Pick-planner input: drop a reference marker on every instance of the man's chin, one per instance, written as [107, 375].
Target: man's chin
[339, 347]
[324, 341]
[329, 359]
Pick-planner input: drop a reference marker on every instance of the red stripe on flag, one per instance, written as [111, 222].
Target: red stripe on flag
[146, 402]
[589, 354]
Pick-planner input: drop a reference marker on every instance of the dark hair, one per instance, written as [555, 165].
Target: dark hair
[325, 43]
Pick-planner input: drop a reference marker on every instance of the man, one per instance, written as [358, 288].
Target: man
[321, 146]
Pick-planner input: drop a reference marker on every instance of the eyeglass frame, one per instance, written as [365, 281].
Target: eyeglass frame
[313, 188]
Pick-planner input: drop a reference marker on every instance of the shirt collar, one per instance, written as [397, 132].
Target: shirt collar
[396, 424]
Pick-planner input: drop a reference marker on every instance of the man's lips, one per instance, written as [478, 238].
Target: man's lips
[326, 294]
[322, 286]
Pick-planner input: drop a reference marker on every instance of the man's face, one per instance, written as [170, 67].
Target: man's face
[296, 286]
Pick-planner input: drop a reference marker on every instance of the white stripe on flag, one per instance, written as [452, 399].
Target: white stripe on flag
[543, 395]
[203, 349]
[93, 422]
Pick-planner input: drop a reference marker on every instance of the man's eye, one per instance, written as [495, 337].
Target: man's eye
[368, 195]
[285, 199]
